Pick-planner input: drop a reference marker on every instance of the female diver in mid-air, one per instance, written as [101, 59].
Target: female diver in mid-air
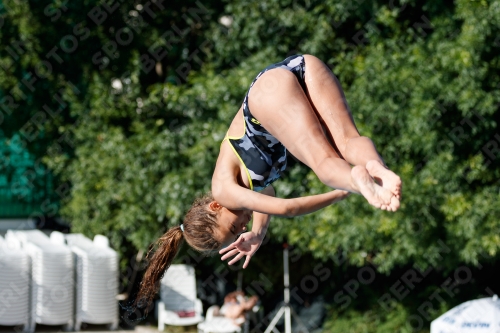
[296, 105]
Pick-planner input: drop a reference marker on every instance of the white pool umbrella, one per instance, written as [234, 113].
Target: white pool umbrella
[480, 315]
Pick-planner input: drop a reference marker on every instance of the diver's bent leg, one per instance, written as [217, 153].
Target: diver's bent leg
[329, 102]
[281, 106]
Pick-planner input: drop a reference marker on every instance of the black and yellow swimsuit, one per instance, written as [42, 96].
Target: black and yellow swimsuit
[263, 156]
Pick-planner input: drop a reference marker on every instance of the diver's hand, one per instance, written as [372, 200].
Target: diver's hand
[246, 245]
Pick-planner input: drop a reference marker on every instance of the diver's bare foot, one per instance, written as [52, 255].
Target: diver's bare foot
[376, 195]
[385, 177]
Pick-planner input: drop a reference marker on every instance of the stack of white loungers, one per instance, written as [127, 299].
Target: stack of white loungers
[14, 284]
[96, 279]
[52, 288]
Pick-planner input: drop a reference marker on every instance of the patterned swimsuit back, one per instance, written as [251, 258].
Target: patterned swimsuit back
[264, 156]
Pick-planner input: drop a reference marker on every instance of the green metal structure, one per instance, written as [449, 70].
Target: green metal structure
[26, 185]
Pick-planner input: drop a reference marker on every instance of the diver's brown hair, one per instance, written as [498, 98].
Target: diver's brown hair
[199, 225]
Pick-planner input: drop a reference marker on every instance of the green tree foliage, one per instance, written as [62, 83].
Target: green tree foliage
[369, 321]
[59, 60]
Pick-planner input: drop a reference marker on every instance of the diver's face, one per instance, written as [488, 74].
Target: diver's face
[231, 222]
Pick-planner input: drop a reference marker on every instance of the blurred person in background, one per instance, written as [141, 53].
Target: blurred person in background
[236, 304]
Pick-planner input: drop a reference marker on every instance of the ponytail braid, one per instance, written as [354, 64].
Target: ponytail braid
[200, 225]
[167, 248]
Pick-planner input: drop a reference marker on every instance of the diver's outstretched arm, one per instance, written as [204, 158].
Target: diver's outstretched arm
[236, 197]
